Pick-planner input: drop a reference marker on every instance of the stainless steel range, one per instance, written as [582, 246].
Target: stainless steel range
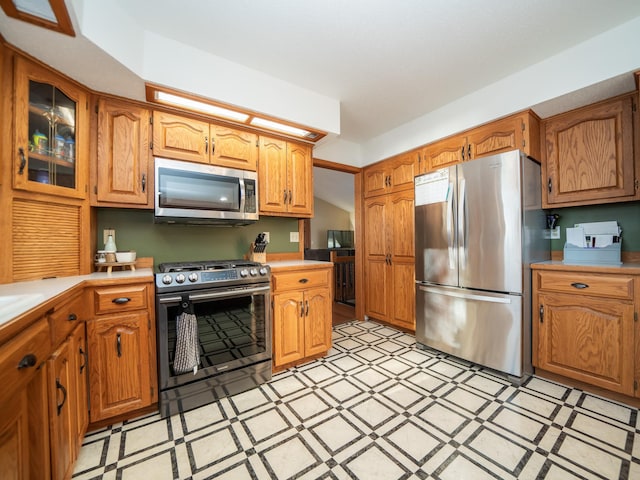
[214, 331]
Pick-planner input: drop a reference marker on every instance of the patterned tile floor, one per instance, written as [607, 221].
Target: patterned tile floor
[378, 408]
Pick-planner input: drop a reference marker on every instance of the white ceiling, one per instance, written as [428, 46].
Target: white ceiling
[386, 61]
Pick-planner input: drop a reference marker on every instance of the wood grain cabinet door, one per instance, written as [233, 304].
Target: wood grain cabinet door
[589, 155]
[447, 152]
[180, 138]
[123, 153]
[317, 332]
[300, 180]
[233, 148]
[272, 176]
[119, 370]
[288, 327]
[587, 339]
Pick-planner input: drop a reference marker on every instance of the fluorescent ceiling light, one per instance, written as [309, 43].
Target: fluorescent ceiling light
[281, 127]
[200, 106]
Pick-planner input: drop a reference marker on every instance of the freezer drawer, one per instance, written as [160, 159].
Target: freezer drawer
[481, 327]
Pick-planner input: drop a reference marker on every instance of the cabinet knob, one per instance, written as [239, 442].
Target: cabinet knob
[303, 280]
[72, 317]
[27, 361]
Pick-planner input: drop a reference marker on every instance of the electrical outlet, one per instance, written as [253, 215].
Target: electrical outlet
[294, 237]
[553, 233]
[106, 232]
[266, 236]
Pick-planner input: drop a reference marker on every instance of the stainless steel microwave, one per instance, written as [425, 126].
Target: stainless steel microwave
[201, 194]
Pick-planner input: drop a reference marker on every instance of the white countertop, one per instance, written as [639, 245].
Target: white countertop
[20, 297]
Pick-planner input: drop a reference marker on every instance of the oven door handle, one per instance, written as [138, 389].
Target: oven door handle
[211, 295]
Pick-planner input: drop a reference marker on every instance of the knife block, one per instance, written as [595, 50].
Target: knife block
[260, 257]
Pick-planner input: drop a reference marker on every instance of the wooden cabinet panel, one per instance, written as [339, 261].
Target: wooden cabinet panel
[608, 286]
[81, 369]
[62, 413]
[589, 156]
[587, 339]
[285, 178]
[180, 138]
[120, 298]
[123, 157]
[496, 137]
[318, 321]
[392, 175]
[375, 180]
[288, 327]
[234, 148]
[302, 306]
[66, 317]
[389, 258]
[119, 372]
[14, 438]
[300, 179]
[272, 175]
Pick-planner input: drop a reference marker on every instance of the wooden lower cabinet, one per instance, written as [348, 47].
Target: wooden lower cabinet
[583, 327]
[14, 438]
[121, 339]
[302, 302]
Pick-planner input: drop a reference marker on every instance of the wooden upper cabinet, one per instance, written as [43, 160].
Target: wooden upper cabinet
[51, 132]
[180, 138]
[445, 153]
[515, 132]
[392, 175]
[234, 148]
[285, 178]
[589, 155]
[123, 158]
[196, 141]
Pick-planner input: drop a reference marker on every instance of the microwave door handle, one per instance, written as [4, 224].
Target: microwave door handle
[242, 199]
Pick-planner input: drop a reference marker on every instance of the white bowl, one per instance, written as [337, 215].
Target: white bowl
[126, 257]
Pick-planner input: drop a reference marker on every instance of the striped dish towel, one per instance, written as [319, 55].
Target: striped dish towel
[187, 355]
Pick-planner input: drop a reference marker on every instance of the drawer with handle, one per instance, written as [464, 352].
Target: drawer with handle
[64, 318]
[22, 355]
[120, 299]
[300, 279]
[610, 286]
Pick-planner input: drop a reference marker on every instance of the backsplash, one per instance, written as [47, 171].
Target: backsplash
[627, 215]
[135, 230]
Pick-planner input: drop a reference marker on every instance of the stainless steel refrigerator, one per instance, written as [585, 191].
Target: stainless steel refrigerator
[478, 226]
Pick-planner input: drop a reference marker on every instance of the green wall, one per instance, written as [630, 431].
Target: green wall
[626, 214]
[135, 230]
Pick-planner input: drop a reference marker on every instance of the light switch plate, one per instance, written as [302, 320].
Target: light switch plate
[294, 237]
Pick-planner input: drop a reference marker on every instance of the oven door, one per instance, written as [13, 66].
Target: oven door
[234, 331]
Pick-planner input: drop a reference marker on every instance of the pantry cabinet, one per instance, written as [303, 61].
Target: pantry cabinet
[302, 302]
[51, 128]
[188, 139]
[589, 155]
[391, 175]
[390, 259]
[285, 178]
[583, 325]
[123, 170]
[121, 339]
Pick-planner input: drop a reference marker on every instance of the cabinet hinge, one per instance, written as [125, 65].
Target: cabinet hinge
[633, 105]
[635, 384]
[150, 145]
[636, 184]
[523, 126]
[95, 189]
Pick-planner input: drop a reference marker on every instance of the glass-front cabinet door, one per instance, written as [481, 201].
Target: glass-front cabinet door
[50, 127]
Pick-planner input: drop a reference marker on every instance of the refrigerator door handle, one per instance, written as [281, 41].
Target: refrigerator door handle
[462, 220]
[467, 296]
[450, 245]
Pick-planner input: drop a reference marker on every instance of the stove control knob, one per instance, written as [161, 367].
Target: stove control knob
[193, 277]
[253, 272]
[244, 272]
[180, 278]
[263, 271]
[166, 279]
